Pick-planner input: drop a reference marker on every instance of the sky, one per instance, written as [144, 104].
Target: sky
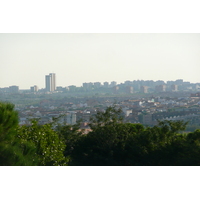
[76, 58]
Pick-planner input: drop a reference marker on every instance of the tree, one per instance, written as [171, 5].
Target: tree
[70, 134]
[12, 150]
[172, 126]
[49, 147]
[105, 145]
[112, 115]
[113, 142]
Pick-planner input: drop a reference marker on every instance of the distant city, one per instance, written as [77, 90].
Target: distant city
[129, 87]
[142, 101]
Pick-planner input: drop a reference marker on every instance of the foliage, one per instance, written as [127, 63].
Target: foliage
[70, 134]
[28, 145]
[105, 145]
[168, 125]
[12, 151]
[49, 147]
[113, 142]
[112, 115]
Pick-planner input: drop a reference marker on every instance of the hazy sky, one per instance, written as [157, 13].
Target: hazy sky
[25, 59]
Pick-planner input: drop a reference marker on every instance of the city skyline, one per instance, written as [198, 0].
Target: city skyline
[79, 58]
[50, 84]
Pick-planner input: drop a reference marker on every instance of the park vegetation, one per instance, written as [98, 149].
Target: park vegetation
[111, 142]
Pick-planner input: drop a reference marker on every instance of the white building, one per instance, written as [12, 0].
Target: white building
[50, 81]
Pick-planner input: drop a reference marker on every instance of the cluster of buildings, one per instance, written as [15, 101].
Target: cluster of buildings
[45, 115]
[10, 89]
[50, 84]
[148, 111]
[169, 100]
[135, 110]
[97, 85]
[128, 87]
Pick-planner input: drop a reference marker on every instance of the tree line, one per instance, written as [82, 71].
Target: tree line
[111, 142]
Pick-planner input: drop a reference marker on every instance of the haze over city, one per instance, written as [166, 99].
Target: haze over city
[77, 58]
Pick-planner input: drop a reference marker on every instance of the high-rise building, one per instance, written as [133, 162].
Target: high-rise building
[144, 89]
[14, 89]
[174, 87]
[106, 84]
[50, 81]
[88, 86]
[115, 89]
[160, 88]
[129, 89]
[127, 83]
[113, 83]
[179, 81]
[34, 88]
[97, 85]
[53, 81]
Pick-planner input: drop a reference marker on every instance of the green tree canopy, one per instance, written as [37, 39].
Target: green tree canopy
[12, 151]
[49, 147]
[113, 142]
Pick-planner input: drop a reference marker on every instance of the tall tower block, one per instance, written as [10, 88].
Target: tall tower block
[50, 81]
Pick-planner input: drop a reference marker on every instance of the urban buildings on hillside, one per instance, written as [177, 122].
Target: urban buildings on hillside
[144, 110]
